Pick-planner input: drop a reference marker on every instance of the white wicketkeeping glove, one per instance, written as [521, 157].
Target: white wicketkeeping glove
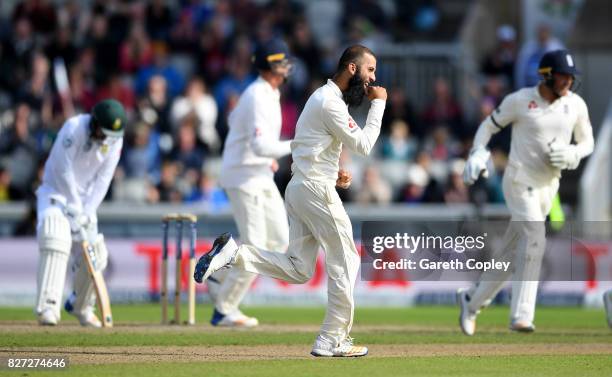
[476, 165]
[564, 156]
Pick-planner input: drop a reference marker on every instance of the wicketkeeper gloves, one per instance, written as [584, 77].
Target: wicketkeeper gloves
[476, 165]
[564, 156]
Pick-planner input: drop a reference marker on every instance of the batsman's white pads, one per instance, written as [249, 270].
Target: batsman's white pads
[85, 296]
[564, 156]
[476, 165]
[54, 244]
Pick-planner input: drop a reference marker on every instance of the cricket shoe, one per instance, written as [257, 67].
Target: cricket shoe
[522, 326]
[236, 319]
[322, 348]
[608, 304]
[222, 254]
[87, 318]
[47, 318]
[467, 318]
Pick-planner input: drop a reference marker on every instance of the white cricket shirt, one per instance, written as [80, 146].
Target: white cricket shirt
[324, 126]
[252, 142]
[78, 168]
[536, 123]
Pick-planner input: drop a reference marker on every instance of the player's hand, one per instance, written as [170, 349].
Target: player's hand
[376, 92]
[344, 179]
[476, 165]
[564, 156]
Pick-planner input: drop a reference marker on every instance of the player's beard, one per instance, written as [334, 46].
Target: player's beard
[353, 95]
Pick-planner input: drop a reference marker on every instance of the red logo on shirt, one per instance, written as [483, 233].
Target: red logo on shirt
[257, 132]
[532, 105]
[352, 123]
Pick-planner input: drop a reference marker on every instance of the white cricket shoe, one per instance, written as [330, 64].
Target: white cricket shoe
[222, 254]
[47, 318]
[522, 326]
[608, 305]
[322, 348]
[236, 319]
[467, 318]
[88, 319]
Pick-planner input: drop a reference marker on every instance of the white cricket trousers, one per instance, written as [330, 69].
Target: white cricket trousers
[260, 215]
[524, 244]
[316, 219]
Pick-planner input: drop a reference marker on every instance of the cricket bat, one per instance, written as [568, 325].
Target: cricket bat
[102, 297]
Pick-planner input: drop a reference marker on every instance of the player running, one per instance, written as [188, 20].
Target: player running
[76, 178]
[544, 118]
[316, 215]
[249, 162]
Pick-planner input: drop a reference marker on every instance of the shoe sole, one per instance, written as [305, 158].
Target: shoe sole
[460, 302]
[207, 258]
[524, 330]
[313, 353]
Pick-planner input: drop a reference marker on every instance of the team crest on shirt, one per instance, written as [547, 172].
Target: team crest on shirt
[104, 148]
[352, 125]
[532, 105]
[566, 109]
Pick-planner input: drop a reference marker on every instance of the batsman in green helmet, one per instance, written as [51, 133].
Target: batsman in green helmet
[76, 178]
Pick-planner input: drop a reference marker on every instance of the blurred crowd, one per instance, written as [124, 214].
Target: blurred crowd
[179, 68]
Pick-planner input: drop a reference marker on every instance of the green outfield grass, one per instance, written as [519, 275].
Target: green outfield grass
[137, 326]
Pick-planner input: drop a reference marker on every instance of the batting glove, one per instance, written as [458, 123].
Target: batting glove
[476, 165]
[77, 220]
[564, 156]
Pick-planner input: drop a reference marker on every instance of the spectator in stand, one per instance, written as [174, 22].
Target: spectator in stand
[18, 148]
[61, 46]
[440, 145]
[40, 13]
[531, 53]
[199, 102]
[17, 51]
[141, 157]
[105, 50]
[115, 88]
[159, 20]
[188, 153]
[208, 194]
[36, 92]
[154, 107]
[399, 107]
[82, 90]
[444, 109]
[399, 145]
[500, 62]
[374, 190]
[167, 190]
[239, 76]
[136, 52]
[8, 191]
[160, 67]
[456, 191]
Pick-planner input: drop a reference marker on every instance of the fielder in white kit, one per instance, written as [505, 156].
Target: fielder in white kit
[249, 162]
[316, 215]
[76, 178]
[544, 118]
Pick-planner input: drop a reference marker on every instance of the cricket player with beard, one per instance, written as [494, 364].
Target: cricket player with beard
[544, 118]
[76, 178]
[249, 162]
[316, 215]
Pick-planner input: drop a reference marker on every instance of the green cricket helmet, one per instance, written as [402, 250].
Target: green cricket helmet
[110, 116]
